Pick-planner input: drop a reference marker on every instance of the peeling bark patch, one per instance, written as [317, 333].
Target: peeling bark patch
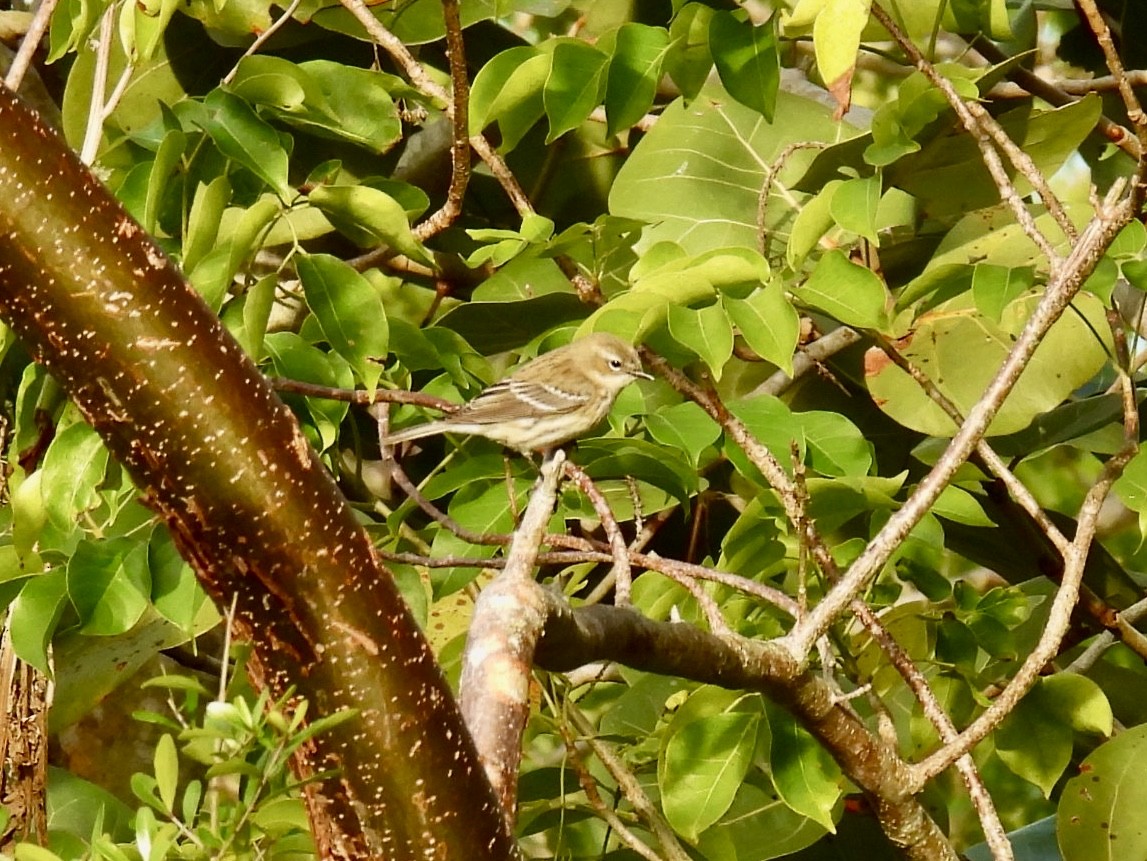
[359, 638]
[150, 343]
[126, 228]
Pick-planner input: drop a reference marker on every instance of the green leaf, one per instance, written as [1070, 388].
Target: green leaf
[233, 21]
[836, 37]
[359, 107]
[166, 763]
[508, 91]
[835, 445]
[80, 808]
[74, 468]
[689, 60]
[1101, 282]
[349, 312]
[812, 222]
[495, 327]
[369, 217]
[957, 504]
[281, 816]
[1035, 744]
[1131, 487]
[1078, 702]
[696, 177]
[159, 179]
[636, 712]
[996, 287]
[416, 22]
[747, 61]
[854, 205]
[203, 222]
[243, 137]
[752, 544]
[109, 584]
[948, 175]
[247, 319]
[835, 501]
[1130, 242]
[961, 350]
[574, 85]
[685, 426]
[756, 811]
[32, 852]
[176, 592]
[634, 72]
[34, 616]
[244, 227]
[706, 331]
[1103, 807]
[847, 292]
[768, 322]
[293, 357]
[704, 758]
[142, 28]
[806, 777]
[273, 82]
[608, 458]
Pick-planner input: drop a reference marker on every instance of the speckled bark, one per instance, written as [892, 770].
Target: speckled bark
[226, 466]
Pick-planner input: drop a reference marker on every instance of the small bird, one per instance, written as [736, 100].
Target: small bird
[548, 401]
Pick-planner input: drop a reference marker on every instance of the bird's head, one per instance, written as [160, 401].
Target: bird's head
[609, 361]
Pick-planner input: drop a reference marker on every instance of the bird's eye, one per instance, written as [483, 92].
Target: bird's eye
[615, 364]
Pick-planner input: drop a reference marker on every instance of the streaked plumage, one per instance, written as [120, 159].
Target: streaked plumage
[548, 401]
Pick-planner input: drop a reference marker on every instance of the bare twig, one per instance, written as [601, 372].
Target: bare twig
[36, 30]
[620, 573]
[1067, 86]
[95, 127]
[984, 130]
[1106, 639]
[1113, 215]
[459, 119]
[994, 831]
[494, 690]
[1058, 94]
[262, 38]
[421, 79]
[1130, 100]
[603, 810]
[766, 186]
[807, 358]
[1060, 616]
[991, 460]
[361, 396]
[630, 788]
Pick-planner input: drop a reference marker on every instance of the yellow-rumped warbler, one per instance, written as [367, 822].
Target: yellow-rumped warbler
[548, 401]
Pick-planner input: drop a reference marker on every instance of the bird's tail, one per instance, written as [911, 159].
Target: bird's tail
[413, 433]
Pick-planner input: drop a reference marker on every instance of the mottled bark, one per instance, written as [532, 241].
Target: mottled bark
[224, 463]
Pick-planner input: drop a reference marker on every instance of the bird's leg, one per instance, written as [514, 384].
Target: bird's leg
[509, 476]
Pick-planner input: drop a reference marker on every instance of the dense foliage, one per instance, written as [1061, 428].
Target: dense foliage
[852, 286]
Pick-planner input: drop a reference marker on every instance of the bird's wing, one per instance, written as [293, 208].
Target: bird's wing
[518, 399]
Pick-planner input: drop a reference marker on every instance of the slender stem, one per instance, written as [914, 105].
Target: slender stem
[36, 30]
[1060, 291]
[460, 121]
[984, 130]
[95, 127]
[262, 38]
